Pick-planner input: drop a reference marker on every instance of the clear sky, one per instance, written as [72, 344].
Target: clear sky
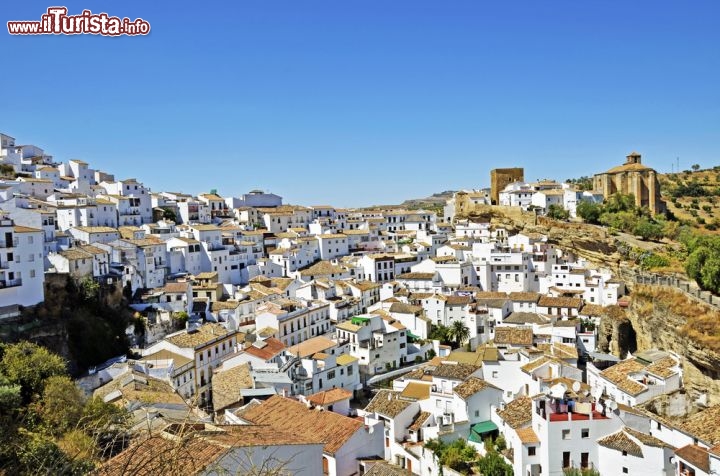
[360, 102]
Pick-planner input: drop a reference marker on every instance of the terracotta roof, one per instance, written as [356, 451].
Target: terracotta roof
[592, 310]
[265, 349]
[559, 350]
[527, 436]
[328, 397]
[517, 413]
[703, 425]
[311, 346]
[387, 403]
[513, 335]
[451, 370]
[696, 456]
[288, 415]
[663, 368]
[472, 386]
[419, 421]
[164, 354]
[619, 441]
[162, 456]
[618, 374]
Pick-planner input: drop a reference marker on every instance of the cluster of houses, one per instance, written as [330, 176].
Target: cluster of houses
[270, 326]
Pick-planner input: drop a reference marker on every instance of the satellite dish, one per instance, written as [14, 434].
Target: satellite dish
[576, 386]
[612, 405]
[558, 390]
[600, 409]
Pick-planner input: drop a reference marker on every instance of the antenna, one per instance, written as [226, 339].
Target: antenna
[576, 387]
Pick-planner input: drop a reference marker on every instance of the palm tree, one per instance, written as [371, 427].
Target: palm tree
[459, 332]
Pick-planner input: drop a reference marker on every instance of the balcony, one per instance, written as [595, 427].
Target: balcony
[9, 283]
[554, 411]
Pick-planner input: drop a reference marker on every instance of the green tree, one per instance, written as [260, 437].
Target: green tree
[169, 214]
[29, 366]
[695, 167]
[590, 212]
[619, 202]
[440, 332]
[61, 405]
[459, 333]
[493, 464]
[557, 212]
[648, 229]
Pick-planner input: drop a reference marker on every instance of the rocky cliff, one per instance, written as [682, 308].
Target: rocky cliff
[663, 318]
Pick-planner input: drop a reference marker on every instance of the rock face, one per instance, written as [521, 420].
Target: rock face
[585, 241]
[666, 319]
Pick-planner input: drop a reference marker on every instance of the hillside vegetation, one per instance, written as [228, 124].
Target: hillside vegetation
[694, 197]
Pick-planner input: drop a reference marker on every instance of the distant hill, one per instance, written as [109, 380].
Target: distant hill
[693, 196]
[435, 201]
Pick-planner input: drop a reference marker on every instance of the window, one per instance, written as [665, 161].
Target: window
[624, 453]
[566, 434]
[585, 433]
[350, 370]
[331, 374]
[531, 451]
[625, 470]
[477, 413]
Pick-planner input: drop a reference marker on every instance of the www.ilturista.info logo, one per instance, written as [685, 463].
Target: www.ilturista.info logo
[57, 22]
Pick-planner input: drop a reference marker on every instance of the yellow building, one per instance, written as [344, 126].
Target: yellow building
[632, 178]
[501, 178]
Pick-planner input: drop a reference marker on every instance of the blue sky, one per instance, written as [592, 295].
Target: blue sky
[364, 102]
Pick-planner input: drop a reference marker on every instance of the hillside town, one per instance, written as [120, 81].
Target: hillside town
[352, 341]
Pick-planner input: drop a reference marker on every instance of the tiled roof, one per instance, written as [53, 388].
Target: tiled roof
[619, 441]
[549, 301]
[524, 296]
[416, 391]
[451, 370]
[345, 359]
[472, 386]
[203, 335]
[696, 456]
[387, 403]
[328, 397]
[149, 457]
[420, 419]
[323, 268]
[663, 368]
[382, 468]
[416, 276]
[311, 346]
[265, 349]
[527, 436]
[704, 425]
[517, 413]
[293, 417]
[559, 350]
[226, 386]
[457, 300]
[618, 374]
[513, 335]
[647, 440]
[403, 308]
[526, 318]
[592, 310]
